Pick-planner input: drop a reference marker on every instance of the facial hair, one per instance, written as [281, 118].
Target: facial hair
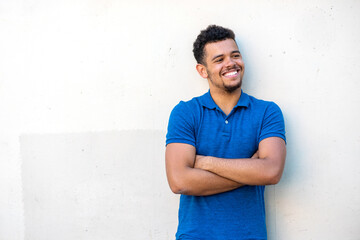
[228, 89]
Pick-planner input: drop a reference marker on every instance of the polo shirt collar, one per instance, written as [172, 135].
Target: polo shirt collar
[208, 102]
[244, 100]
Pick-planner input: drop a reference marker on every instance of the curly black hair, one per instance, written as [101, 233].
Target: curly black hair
[212, 33]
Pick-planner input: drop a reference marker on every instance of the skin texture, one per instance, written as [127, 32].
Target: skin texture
[264, 169]
[183, 178]
[193, 174]
[221, 58]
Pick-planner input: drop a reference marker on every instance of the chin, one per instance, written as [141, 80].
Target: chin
[232, 88]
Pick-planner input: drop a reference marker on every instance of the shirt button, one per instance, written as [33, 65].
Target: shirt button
[226, 122]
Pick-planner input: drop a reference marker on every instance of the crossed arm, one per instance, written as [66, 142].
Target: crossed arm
[193, 174]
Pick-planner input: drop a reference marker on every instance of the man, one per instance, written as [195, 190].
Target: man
[222, 148]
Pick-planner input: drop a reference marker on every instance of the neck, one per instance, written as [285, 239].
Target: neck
[226, 101]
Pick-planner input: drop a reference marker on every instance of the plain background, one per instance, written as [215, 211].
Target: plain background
[86, 89]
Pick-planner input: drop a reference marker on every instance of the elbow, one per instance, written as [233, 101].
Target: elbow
[177, 190]
[273, 178]
[177, 187]
[273, 173]
[179, 182]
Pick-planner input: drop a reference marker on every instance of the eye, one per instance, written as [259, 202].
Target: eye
[218, 60]
[236, 55]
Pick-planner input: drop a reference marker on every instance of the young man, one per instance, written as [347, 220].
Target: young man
[222, 148]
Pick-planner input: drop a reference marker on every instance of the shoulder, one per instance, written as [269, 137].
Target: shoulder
[259, 102]
[270, 118]
[183, 122]
[191, 107]
[262, 105]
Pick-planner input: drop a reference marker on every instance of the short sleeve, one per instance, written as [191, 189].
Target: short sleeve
[181, 125]
[273, 123]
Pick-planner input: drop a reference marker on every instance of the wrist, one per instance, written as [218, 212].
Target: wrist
[206, 163]
[201, 162]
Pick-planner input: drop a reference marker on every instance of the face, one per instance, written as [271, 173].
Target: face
[224, 67]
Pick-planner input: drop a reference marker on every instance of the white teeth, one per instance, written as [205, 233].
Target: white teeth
[231, 73]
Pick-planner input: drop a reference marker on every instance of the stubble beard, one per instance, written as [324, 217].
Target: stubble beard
[226, 88]
[231, 89]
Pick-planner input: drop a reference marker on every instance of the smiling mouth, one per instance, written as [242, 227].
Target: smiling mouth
[231, 73]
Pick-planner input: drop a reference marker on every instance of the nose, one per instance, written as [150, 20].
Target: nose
[229, 62]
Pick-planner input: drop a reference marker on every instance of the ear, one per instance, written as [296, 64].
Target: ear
[202, 70]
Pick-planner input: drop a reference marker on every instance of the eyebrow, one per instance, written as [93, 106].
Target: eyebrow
[220, 55]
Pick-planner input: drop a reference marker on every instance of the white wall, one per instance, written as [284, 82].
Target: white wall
[86, 88]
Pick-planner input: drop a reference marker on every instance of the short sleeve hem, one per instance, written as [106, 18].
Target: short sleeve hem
[181, 125]
[272, 135]
[180, 141]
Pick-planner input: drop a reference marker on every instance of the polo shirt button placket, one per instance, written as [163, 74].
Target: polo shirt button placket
[226, 129]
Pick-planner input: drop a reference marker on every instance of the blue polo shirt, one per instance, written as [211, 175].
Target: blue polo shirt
[238, 214]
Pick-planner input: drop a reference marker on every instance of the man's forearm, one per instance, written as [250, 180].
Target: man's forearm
[183, 178]
[246, 170]
[264, 168]
[199, 182]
